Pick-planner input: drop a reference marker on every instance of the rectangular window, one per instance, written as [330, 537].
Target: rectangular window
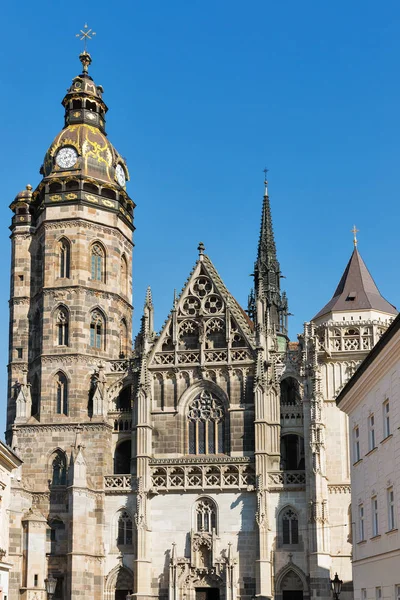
[19, 352]
[361, 528]
[378, 593]
[35, 580]
[390, 501]
[374, 514]
[363, 594]
[356, 440]
[386, 418]
[371, 432]
[397, 592]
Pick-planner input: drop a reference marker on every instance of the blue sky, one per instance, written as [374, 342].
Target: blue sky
[203, 95]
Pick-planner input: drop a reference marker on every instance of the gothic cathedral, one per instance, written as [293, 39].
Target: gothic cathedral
[208, 463]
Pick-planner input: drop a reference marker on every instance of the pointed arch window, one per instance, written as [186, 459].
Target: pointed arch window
[205, 515]
[123, 339]
[124, 275]
[59, 469]
[290, 527]
[64, 252]
[35, 395]
[97, 330]
[62, 327]
[97, 263]
[61, 394]
[125, 529]
[205, 417]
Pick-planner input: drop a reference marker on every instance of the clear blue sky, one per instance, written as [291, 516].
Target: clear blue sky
[203, 95]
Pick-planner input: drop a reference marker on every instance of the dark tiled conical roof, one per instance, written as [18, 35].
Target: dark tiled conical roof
[357, 291]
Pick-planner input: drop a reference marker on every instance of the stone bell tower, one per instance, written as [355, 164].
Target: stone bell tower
[70, 313]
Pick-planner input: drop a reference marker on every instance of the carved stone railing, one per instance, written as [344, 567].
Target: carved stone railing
[120, 366]
[286, 478]
[228, 475]
[215, 355]
[119, 484]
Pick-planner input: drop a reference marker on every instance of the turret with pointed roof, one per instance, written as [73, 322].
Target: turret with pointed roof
[356, 291]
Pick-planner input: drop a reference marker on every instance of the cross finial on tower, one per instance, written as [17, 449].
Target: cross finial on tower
[265, 171]
[84, 35]
[354, 231]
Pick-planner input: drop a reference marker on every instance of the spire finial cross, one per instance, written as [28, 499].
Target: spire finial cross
[84, 35]
[354, 231]
[265, 171]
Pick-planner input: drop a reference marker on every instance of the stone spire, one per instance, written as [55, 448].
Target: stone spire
[267, 272]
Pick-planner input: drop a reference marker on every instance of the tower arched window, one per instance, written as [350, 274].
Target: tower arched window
[64, 253]
[62, 325]
[97, 264]
[61, 394]
[123, 339]
[35, 394]
[205, 418]
[205, 515]
[59, 469]
[290, 527]
[124, 275]
[97, 330]
[125, 529]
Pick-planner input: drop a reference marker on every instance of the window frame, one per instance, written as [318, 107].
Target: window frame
[97, 330]
[386, 418]
[64, 255]
[391, 509]
[356, 443]
[361, 522]
[62, 327]
[97, 263]
[62, 394]
[293, 532]
[371, 432]
[125, 519]
[206, 436]
[205, 521]
[375, 515]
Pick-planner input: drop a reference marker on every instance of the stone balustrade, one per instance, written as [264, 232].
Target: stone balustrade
[226, 476]
[279, 479]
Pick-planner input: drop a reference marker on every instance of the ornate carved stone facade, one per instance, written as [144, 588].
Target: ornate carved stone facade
[208, 462]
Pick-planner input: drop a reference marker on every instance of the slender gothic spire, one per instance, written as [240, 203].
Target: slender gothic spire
[267, 270]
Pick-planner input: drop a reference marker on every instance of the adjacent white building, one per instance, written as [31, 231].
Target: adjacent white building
[371, 399]
[9, 462]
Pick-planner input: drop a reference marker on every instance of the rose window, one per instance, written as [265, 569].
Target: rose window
[191, 306]
[213, 304]
[202, 287]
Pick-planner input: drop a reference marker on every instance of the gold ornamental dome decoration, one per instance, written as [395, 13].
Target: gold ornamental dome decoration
[82, 149]
[92, 155]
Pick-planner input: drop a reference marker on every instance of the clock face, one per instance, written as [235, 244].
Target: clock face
[120, 175]
[66, 157]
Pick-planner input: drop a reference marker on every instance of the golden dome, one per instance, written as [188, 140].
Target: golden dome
[95, 156]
